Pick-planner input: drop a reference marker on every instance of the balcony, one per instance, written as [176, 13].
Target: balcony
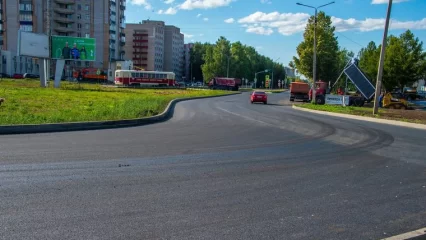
[144, 53]
[64, 29]
[63, 20]
[140, 47]
[64, 10]
[68, 2]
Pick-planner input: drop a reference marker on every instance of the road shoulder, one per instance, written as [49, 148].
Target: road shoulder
[362, 118]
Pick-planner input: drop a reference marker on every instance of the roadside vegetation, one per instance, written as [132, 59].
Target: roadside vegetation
[27, 103]
[392, 114]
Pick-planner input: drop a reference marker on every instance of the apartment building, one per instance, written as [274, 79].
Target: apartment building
[173, 51]
[187, 61]
[145, 45]
[103, 20]
[154, 46]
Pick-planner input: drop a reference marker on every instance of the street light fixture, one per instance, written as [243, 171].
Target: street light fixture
[314, 77]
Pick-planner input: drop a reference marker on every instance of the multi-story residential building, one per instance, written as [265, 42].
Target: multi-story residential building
[154, 46]
[103, 20]
[145, 45]
[187, 61]
[173, 51]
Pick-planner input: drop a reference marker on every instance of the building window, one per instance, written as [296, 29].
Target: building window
[78, 25]
[78, 34]
[25, 7]
[87, 26]
[78, 16]
[87, 17]
[26, 28]
[87, 7]
[25, 17]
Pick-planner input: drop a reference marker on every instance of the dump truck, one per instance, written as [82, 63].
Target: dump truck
[299, 91]
[223, 83]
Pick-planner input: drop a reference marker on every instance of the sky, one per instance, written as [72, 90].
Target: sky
[275, 27]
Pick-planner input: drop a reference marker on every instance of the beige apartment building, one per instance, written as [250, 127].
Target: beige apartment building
[154, 46]
[103, 20]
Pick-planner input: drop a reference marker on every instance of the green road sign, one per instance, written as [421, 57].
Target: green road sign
[267, 77]
[73, 48]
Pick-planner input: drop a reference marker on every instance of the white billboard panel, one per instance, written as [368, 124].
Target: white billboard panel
[33, 45]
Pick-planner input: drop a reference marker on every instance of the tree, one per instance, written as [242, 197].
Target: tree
[208, 67]
[244, 61]
[239, 63]
[327, 50]
[405, 61]
[196, 59]
[369, 61]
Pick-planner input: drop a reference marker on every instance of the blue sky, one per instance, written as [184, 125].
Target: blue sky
[275, 27]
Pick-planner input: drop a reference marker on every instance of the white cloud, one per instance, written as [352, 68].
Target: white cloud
[372, 24]
[205, 19]
[199, 15]
[265, 1]
[291, 23]
[188, 35]
[204, 4]
[229, 20]
[144, 3]
[201, 34]
[260, 30]
[169, 11]
[169, 1]
[387, 1]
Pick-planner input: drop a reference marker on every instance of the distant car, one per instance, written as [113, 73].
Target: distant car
[29, 75]
[259, 96]
[18, 76]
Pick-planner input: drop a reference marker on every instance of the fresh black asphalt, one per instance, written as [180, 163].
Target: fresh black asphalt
[221, 168]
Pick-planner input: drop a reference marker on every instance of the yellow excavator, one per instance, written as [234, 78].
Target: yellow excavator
[394, 101]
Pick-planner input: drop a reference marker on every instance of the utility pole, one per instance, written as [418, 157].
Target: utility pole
[382, 61]
[314, 67]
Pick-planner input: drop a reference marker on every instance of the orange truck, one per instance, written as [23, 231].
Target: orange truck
[299, 91]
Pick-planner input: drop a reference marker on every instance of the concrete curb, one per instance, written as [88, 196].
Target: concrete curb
[368, 119]
[96, 125]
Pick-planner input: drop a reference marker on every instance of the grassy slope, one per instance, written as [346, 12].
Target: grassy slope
[27, 103]
[400, 115]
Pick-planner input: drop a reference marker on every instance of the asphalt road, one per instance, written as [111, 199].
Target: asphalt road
[221, 168]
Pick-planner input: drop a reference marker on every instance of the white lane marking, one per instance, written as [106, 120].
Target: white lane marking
[408, 235]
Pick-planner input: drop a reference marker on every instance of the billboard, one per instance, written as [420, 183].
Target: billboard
[73, 48]
[33, 45]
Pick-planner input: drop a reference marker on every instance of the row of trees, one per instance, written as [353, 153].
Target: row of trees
[210, 60]
[405, 60]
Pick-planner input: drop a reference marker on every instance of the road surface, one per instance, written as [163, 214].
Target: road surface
[221, 168]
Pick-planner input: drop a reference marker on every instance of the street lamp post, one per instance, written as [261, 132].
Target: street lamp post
[272, 70]
[227, 68]
[382, 61]
[314, 70]
[255, 76]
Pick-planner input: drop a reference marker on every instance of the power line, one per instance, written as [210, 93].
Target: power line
[350, 39]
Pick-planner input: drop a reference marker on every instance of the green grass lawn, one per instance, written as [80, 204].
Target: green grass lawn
[27, 103]
[400, 115]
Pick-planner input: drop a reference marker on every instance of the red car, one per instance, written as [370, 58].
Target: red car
[258, 96]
